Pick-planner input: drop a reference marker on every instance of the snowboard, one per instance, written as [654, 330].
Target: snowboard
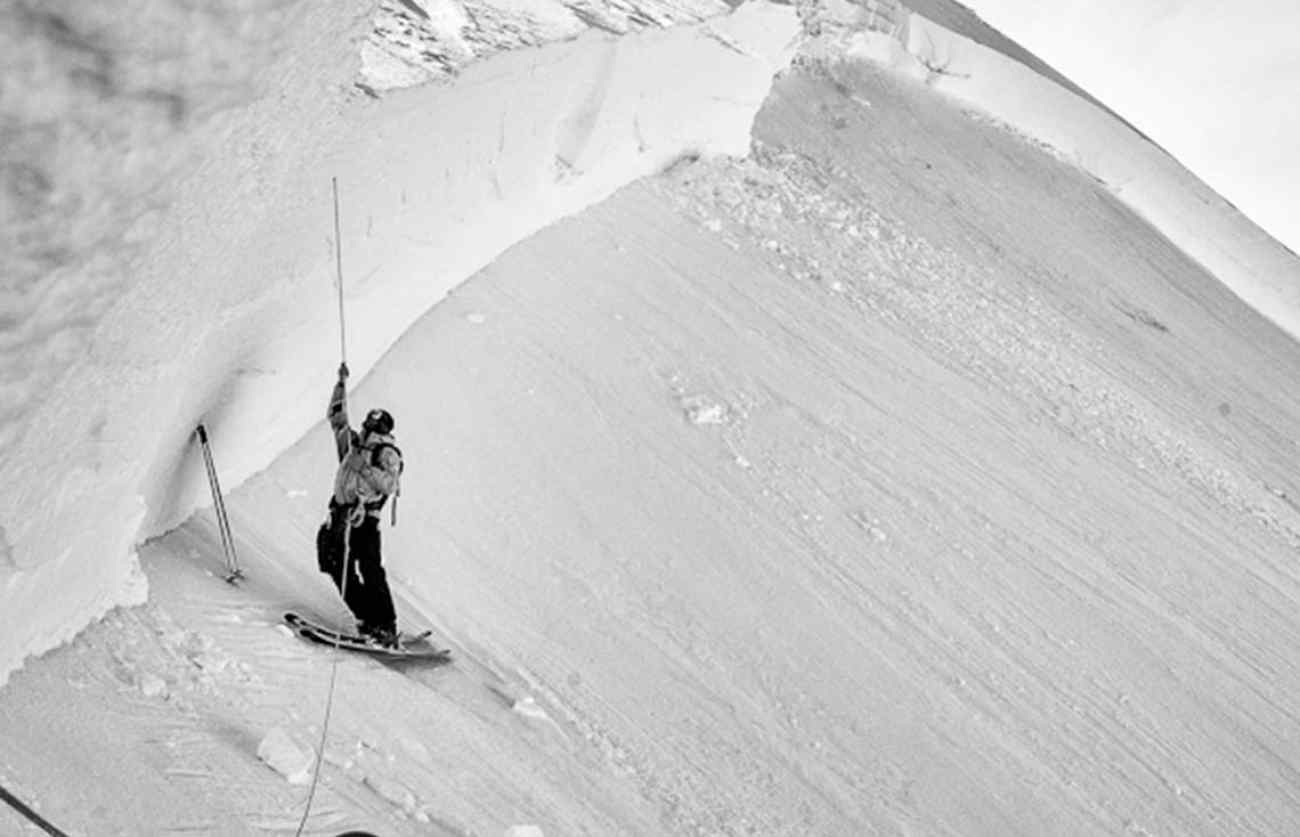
[410, 647]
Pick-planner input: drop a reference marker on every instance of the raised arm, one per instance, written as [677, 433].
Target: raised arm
[337, 413]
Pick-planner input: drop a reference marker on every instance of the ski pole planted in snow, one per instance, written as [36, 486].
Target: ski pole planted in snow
[233, 573]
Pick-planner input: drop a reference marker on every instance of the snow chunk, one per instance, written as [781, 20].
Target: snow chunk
[286, 757]
[151, 685]
[702, 410]
[524, 831]
[528, 707]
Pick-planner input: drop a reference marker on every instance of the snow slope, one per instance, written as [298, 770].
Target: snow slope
[175, 260]
[1257, 267]
[1211, 82]
[829, 492]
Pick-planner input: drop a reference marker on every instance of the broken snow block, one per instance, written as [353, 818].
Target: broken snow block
[529, 708]
[524, 831]
[151, 685]
[286, 757]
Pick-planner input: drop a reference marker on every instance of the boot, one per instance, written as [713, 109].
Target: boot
[384, 636]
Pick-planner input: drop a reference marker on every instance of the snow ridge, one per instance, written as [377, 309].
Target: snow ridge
[830, 491]
[1259, 269]
[178, 272]
[420, 41]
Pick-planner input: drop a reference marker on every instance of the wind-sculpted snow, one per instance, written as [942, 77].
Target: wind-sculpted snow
[418, 41]
[107, 111]
[99, 109]
[169, 256]
[827, 492]
[1013, 90]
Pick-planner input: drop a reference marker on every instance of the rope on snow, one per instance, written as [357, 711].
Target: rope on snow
[347, 540]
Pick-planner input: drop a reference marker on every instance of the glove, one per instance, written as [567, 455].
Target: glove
[343, 371]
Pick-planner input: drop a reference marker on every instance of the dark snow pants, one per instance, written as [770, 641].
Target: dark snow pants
[366, 593]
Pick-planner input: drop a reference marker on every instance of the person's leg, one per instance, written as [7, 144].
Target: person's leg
[329, 546]
[378, 605]
[336, 545]
[355, 594]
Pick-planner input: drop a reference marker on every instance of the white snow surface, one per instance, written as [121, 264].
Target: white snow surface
[900, 478]
[172, 256]
[1212, 82]
[990, 529]
[1256, 266]
[419, 41]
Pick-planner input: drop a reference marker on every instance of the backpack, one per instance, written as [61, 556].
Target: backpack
[401, 467]
[375, 451]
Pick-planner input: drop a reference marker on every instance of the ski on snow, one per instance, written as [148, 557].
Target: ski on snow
[410, 647]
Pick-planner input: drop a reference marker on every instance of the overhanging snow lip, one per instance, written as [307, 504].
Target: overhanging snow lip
[229, 309]
[410, 45]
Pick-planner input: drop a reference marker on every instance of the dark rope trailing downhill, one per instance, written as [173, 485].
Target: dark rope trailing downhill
[329, 699]
[347, 539]
[19, 806]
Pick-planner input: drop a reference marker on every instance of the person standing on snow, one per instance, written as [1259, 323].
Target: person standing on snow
[370, 467]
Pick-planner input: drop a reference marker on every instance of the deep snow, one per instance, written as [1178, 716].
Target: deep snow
[828, 492]
[1211, 82]
[971, 67]
[180, 272]
[899, 479]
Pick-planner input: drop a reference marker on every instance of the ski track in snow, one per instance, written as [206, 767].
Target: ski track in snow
[896, 480]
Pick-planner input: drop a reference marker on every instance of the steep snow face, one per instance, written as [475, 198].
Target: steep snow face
[129, 134]
[1212, 82]
[1258, 268]
[173, 256]
[896, 479]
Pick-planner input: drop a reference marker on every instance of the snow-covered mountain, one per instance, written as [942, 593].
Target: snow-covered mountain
[172, 254]
[1214, 84]
[923, 471]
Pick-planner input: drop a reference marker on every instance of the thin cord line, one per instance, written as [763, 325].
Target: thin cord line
[334, 673]
[347, 538]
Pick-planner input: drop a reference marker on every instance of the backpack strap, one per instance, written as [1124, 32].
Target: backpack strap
[401, 466]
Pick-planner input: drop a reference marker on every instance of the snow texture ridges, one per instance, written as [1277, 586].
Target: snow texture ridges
[158, 272]
[420, 41]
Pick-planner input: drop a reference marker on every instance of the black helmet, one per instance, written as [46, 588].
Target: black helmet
[378, 421]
